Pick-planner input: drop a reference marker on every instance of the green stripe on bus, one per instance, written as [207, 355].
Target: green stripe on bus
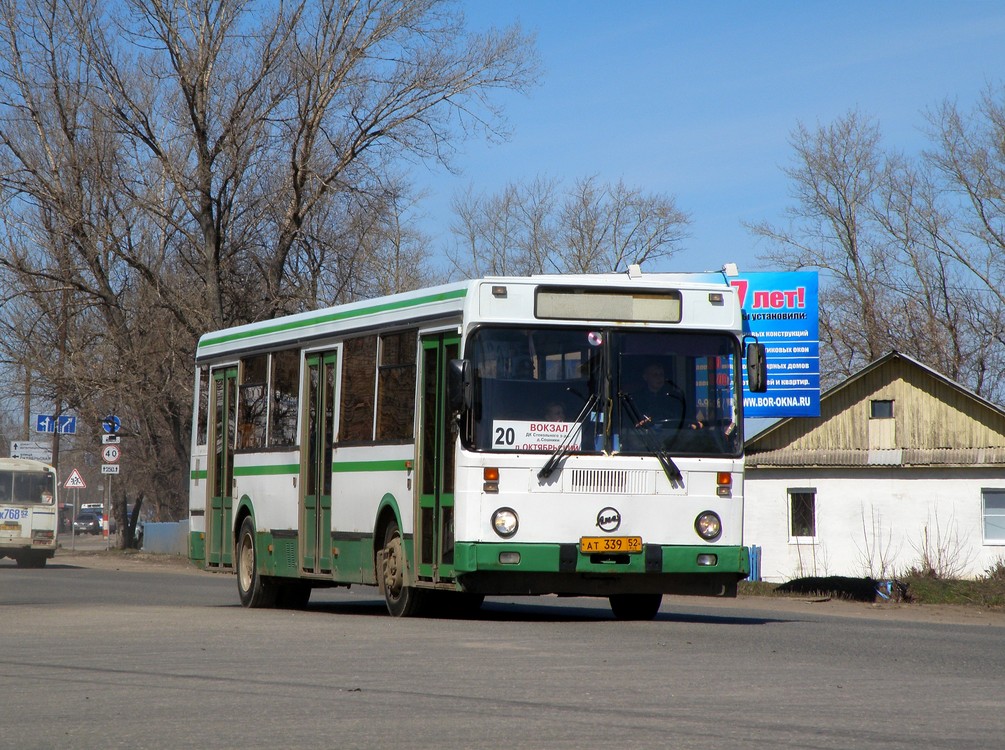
[266, 470]
[344, 467]
[332, 317]
[348, 466]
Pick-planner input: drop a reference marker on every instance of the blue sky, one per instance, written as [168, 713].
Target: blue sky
[698, 100]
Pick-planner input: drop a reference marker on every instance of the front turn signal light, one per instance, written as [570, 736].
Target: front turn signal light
[724, 484]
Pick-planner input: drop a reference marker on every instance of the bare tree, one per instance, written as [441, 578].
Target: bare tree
[594, 227]
[836, 178]
[884, 233]
[513, 232]
[171, 167]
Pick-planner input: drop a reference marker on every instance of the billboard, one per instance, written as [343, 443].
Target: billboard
[781, 310]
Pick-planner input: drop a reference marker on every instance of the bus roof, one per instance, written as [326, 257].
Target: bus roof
[23, 464]
[431, 303]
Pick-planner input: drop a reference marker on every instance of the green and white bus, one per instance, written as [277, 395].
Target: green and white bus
[29, 515]
[479, 438]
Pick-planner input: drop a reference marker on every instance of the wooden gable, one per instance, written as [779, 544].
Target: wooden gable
[924, 419]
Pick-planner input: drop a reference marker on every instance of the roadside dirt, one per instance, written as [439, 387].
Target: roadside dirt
[935, 613]
[124, 560]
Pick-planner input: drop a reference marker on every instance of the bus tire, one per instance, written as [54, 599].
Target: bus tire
[401, 600]
[635, 606]
[254, 589]
[31, 560]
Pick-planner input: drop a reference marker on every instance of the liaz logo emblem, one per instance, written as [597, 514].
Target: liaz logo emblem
[609, 519]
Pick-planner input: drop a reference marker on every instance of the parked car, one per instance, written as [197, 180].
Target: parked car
[87, 523]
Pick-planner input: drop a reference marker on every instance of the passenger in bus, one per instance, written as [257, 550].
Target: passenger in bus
[523, 368]
[554, 412]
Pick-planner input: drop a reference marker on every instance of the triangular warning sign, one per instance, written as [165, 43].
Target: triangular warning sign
[74, 481]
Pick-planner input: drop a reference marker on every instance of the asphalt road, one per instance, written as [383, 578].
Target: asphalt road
[103, 651]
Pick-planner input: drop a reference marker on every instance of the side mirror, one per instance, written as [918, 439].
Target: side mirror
[459, 388]
[757, 369]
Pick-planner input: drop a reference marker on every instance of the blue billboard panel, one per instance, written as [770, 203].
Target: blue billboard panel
[781, 310]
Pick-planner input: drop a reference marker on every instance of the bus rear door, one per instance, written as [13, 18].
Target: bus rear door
[219, 532]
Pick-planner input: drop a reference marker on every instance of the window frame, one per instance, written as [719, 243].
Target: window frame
[873, 403]
[985, 491]
[791, 494]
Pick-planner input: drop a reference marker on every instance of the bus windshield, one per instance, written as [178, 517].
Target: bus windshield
[27, 488]
[588, 390]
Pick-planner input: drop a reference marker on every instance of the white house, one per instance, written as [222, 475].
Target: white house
[903, 469]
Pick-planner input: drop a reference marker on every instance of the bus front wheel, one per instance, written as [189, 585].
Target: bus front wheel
[635, 606]
[401, 600]
[255, 591]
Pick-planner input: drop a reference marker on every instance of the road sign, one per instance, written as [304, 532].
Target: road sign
[64, 424]
[109, 468]
[33, 449]
[110, 454]
[111, 424]
[75, 481]
[110, 439]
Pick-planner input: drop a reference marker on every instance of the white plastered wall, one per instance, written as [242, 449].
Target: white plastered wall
[872, 522]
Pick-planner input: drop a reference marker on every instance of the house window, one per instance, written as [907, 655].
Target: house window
[881, 409]
[994, 516]
[802, 512]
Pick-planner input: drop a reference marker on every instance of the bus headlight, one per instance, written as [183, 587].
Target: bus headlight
[708, 526]
[505, 522]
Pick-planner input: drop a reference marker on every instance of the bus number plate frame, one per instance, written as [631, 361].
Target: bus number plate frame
[599, 545]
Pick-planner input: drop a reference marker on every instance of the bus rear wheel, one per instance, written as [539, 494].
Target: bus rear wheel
[401, 600]
[31, 560]
[255, 591]
[635, 606]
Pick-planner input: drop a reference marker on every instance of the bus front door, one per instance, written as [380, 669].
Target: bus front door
[219, 531]
[435, 518]
[316, 497]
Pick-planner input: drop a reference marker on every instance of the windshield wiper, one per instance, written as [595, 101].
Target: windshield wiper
[642, 424]
[560, 452]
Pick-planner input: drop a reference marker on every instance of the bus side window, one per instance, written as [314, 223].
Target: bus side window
[284, 398]
[359, 362]
[251, 414]
[396, 375]
[202, 415]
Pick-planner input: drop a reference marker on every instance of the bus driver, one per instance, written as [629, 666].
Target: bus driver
[659, 400]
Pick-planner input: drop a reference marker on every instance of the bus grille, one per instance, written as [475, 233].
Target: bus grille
[610, 481]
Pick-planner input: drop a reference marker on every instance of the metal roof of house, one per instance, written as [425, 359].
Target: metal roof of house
[936, 423]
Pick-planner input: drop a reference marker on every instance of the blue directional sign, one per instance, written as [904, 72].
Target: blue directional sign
[111, 424]
[63, 424]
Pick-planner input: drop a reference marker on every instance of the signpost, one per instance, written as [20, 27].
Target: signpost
[110, 454]
[74, 482]
[64, 424]
[33, 449]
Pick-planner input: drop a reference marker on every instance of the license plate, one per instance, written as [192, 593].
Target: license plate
[10, 527]
[600, 544]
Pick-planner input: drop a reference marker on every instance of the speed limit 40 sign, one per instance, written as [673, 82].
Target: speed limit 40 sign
[110, 454]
